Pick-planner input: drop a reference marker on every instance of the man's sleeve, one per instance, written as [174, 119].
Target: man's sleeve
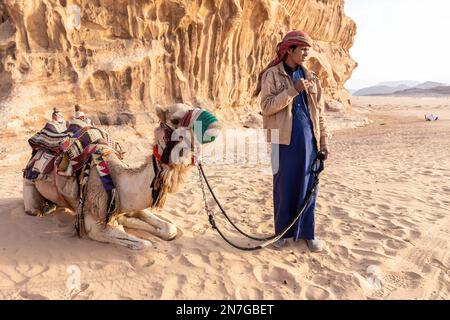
[272, 103]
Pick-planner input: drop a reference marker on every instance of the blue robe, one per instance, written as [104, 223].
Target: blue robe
[293, 177]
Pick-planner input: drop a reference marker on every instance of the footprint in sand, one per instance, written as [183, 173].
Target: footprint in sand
[280, 276]
[341, 251]
[395, 244]
[193, 260]
[32, 296]
[370, 215]
[399, 232]
[96, 265]
[338, 212]
[369, 254]
[384, 207]
[414, 234]
[373, 235]
[406, 223]
[316, 293]
[405, 280]
[140, 261]
[173, 287]
[258, 272]
[438, 264]
[246, 293]
[36, 270]
[215, 260]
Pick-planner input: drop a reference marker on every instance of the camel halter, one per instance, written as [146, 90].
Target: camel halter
[161, 156]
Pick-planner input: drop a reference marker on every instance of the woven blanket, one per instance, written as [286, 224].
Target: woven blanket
[79, 140]
[47, 139]
[97, 159]
[78, 148]
[41, 164]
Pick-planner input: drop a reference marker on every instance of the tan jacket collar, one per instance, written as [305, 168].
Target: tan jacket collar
[280, 68]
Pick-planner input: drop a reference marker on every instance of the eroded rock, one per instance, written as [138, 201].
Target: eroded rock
[126, 56]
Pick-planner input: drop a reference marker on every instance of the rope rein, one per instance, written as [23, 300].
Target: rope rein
[270, 239]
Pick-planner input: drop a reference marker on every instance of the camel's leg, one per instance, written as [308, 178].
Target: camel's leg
[112, 234]
[32, 199]
[145, 220]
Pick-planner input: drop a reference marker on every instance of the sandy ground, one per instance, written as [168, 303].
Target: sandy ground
[383, 212]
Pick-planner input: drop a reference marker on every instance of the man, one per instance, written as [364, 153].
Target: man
[58, 123]
[292, 108]
[80, 118]
[44, 144]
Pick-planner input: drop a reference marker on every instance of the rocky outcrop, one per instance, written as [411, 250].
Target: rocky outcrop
[127, 56]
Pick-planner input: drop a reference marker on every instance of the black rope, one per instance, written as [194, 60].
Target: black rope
[275, 237]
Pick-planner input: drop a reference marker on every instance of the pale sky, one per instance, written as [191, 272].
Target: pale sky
[400, 40]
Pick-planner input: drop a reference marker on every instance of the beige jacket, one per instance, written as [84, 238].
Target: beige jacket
[277, 95]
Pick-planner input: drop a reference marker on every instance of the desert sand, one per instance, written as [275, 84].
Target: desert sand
[383, 212]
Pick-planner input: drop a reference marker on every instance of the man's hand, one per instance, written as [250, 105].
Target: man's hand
[326, 151]
[302, 84]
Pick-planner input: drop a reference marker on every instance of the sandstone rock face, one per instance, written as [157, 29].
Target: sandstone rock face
[127, 56]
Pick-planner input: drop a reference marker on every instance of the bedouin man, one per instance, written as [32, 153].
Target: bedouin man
[58, 123]
[79, 119]
[292, 107]
[80, 115]
[44, 141]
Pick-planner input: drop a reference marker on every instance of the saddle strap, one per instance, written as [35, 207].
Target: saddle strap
[59, 194]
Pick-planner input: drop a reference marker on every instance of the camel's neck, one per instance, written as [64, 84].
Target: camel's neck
[133, 185]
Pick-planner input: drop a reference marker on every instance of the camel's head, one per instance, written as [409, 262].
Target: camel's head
[181, 133]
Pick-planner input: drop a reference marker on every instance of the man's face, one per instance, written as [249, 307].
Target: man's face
[299, 54]
[58, 118]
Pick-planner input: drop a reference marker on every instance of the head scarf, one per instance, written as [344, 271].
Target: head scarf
[78, 113]
[292, 38]
[57, 116]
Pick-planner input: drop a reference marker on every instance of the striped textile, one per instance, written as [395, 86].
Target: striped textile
[108, 183]
[47, 139]
[205, 125]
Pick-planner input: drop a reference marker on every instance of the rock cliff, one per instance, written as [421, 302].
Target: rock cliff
[128, 55]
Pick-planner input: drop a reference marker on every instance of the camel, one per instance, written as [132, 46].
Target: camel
[132, 186]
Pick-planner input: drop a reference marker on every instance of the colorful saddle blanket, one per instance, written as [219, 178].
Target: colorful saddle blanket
[74, 147]
[78, 148]
[40, 165]
[48, 138]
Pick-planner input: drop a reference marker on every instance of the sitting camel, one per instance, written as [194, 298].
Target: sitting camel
[133, 185]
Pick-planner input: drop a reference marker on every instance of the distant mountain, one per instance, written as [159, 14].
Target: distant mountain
[429, 85]
[408, 83]
[419, 92]
[398, 88]
[378, 90]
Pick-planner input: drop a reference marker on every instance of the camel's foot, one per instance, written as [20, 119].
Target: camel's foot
[46, 210]
[137, 245]
[146, 221]
[115, 235]
[33, 212]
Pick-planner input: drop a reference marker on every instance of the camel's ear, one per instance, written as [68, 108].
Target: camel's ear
[161, 113]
